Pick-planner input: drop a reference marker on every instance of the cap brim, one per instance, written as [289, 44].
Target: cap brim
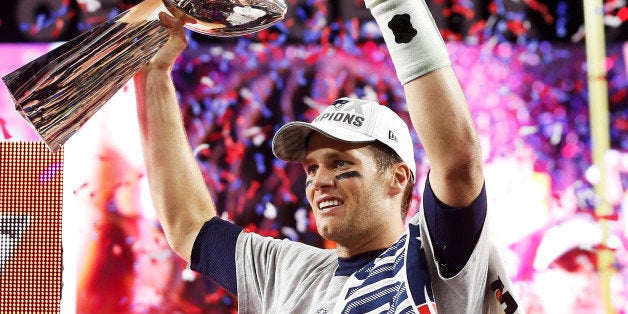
[289, 141]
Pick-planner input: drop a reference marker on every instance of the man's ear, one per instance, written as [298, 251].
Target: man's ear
[401, 178]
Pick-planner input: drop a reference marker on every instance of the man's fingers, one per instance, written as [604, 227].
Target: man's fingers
[173, 22]
[167, 20]
[188, 20]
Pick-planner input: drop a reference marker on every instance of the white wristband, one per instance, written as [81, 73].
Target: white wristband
[413, 40]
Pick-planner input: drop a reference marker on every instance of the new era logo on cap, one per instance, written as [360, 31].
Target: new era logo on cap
[349, 120]
[391, 136]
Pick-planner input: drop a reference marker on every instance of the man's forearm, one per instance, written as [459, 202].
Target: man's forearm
[442, 120]
[437, 106]
[178, 190]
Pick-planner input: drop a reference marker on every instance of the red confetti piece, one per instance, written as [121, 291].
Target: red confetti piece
[3, 126]
[517, 27]
[622, 14]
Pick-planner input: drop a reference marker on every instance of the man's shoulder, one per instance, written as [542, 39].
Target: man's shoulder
[254, 243]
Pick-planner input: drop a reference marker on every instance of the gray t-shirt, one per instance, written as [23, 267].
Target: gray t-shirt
[281, 276]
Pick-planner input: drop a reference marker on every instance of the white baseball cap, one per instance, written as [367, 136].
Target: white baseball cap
[349, 120]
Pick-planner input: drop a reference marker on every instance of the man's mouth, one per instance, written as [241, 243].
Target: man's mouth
[324, 205]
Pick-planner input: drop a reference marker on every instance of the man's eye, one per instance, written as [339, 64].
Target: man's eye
[341, 163]
[311, 170]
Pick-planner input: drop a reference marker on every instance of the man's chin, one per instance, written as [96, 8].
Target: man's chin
[334, 233]
[328, 232]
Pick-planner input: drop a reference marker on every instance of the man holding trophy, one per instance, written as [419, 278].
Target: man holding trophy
[359, 161]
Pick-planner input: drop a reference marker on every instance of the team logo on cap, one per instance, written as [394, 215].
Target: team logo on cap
[339, 103]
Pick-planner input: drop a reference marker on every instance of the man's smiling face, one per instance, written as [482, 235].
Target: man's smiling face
[346, 191]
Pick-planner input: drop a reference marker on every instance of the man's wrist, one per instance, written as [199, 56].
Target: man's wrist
[155, 70]
[413, 40]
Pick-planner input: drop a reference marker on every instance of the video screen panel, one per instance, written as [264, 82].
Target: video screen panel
[31, 189]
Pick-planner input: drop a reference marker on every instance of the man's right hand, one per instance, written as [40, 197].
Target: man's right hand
[168, 54]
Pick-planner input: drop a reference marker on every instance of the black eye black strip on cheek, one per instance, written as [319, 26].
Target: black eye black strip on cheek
[349, 174]
[309, 183]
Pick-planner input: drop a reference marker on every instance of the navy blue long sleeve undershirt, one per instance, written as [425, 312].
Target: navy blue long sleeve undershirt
[454, 231]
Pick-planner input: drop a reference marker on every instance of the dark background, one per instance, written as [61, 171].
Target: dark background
[471, 21]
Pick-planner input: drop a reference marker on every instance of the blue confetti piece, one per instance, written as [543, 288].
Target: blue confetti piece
[259, 162]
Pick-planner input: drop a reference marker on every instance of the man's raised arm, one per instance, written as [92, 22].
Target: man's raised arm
[178, 191]
[454, 205]
[437, 106]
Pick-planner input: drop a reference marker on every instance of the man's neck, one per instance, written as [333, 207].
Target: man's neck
[348, 266]
[377, 241]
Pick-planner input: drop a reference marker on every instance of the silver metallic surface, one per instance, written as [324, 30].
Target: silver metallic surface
[61, 90]
[230, 17]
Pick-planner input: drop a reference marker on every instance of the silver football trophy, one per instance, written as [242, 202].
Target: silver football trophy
[59, 91]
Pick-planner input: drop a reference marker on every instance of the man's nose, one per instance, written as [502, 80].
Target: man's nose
[323, 178]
